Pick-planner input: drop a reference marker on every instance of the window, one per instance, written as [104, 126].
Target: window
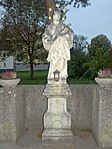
[4, 64]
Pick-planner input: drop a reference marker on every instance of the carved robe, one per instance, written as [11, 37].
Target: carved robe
[57, 40]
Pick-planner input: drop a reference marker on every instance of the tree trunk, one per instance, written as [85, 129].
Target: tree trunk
[50, 4]
[31, 71]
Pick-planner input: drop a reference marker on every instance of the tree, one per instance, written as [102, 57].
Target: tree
[77, 66]
[5, 44]
[99, 53]
[77, 3]
[100, 41]
[25, 22]
[28, 17]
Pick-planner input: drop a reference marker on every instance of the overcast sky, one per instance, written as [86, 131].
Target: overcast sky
[93, 20]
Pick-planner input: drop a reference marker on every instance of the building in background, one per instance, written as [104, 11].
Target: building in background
[7, 64]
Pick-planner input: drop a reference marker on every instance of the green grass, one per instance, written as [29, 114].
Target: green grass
[81, 81]
[40, 77]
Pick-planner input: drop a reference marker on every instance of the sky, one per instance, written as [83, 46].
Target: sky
[93, 20]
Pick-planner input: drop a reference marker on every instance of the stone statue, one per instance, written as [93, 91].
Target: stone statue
[57, 40]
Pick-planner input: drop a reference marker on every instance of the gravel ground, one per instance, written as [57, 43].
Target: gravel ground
[32, 140]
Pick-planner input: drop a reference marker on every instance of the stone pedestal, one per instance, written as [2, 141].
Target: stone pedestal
[57, 120]
[102, 116]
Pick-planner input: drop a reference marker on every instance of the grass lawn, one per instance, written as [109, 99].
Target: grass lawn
[40, 77]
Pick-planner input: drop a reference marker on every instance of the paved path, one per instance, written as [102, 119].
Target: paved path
[31, 140]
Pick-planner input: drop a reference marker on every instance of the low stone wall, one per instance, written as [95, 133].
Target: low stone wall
[36, 104]
[12, 113]
[23, 107]
[79, 105]
[102, 116]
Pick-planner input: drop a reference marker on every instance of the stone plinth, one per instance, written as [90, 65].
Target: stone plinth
[57, 120]
[102, 116]
[12, 113]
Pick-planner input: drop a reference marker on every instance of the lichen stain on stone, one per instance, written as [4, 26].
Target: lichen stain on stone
[106, 132]
[9, 130]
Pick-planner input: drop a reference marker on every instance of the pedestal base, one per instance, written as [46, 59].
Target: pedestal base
[57, 134]
[57, 119]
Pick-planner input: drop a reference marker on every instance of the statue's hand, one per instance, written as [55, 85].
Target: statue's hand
[50, 41]
[64, 31]
[47, 38]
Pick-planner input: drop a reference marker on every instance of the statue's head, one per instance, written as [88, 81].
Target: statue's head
[57, 15]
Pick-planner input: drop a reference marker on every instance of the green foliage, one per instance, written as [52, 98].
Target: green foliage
[99, 54]
[76, 3]
[77, 64]
[80, 42]
[100, 41]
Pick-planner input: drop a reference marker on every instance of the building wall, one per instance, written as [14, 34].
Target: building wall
[7, 64]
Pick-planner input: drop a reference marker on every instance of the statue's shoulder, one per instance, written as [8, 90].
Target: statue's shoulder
[63, 25]
[68, 27]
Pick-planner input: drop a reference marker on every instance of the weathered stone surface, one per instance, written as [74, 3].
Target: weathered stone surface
[12, 113]
[20, 111]
[102, 116]
[104, 82]
[79, 104]
[36, 104]
[57, 119]
[26, 103]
